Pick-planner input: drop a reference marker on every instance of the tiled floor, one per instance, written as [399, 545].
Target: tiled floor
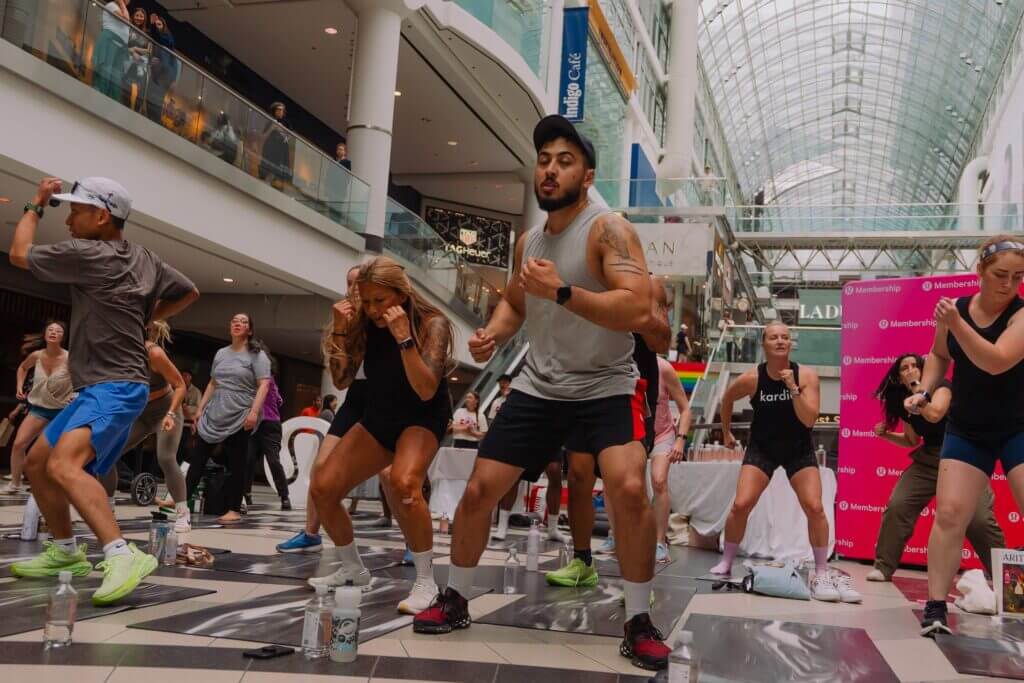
[107, 649]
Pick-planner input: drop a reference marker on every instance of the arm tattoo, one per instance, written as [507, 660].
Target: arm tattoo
[612, 236]
[621, 241]
[435, 346]
[343, 369]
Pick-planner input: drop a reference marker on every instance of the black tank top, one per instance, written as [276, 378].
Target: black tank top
[984, 403]
[387, 387]
[647, 363]
[775, 417]
[933, 433]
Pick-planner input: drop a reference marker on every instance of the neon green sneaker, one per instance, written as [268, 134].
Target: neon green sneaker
[575, 574]
[52, 561]
[121, 574]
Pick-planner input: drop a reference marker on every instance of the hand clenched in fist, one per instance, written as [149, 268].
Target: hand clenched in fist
[481, 346]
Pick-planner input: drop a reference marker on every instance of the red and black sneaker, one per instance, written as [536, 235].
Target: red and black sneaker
[644, 644]
[447, 612]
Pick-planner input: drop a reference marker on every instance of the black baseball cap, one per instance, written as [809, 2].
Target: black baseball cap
[555, 126]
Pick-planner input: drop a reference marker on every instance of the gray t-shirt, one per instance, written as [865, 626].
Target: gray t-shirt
[237, 374]
[115, 286]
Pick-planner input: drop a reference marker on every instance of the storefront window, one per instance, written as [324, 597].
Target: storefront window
[604, 122]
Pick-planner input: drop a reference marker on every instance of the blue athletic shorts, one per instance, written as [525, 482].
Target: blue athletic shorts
[43, 413]
[108, 409]
[983, 452]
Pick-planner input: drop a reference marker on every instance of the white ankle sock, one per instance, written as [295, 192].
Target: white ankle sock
[68, 545]
[349, 555]
[638, 598]
[424, 564]
[111, 502]
[503, 516]
[116, 547]
[553, 522]
[460, 579]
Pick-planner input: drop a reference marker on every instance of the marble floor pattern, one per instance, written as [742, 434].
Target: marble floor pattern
[108, 649]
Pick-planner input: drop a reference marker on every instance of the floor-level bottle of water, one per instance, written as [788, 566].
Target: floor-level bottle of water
[316, 625]
[511, 572]
[533, 547]
[60, 613]
[170, 555]
[30, 520]
[345, 623]
[683, 663]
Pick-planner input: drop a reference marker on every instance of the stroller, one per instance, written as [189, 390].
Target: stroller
[139, 474]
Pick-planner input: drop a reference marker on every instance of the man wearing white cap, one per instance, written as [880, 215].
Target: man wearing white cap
[117, 287]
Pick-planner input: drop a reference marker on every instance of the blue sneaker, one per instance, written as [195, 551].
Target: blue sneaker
[661, 553]
[301, 543]
[407, 558]
[608, 547]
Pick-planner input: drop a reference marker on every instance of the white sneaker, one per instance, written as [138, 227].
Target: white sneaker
[422, 594]
[823, 589]
[342, 577]
[555, 534]
[500, 533]
[183, 524]
[608, 547]
[844, 586]
[876, 575]
[12, 490]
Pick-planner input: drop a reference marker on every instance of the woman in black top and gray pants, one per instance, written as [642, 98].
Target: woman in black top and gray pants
[983, 335]
[924, 433]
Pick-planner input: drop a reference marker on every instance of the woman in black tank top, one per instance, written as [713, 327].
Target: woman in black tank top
[786, 401]
[404, 345]
[924, 433]
[983, 335]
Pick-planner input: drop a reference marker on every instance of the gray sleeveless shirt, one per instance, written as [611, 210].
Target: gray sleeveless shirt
[571, 358]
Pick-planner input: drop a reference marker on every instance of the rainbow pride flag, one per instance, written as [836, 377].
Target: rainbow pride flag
[688, 374]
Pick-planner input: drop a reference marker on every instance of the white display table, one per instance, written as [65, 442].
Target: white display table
[448, 474]
[777, 528]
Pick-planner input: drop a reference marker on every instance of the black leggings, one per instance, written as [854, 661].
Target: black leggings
[234, 454]
[266, 442]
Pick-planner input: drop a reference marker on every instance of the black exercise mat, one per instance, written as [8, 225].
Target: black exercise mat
[23, 602]
[278, 618]
[304, 565]
[595, 611]
[742, 650]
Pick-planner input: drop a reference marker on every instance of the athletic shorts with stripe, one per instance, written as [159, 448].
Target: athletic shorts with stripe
[529, 432]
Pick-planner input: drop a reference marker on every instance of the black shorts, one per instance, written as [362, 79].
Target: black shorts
[351, 410]
[529, 432]
[792, 456]
[386, 428]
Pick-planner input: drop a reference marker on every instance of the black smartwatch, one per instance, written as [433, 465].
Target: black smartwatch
[926, 395]
[34, 208]
[563, 294]
[406, 344]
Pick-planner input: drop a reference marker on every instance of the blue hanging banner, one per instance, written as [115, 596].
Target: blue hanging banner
[572, 87]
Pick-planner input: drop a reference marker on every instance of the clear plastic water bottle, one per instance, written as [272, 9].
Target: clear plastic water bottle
[683, 663]
[820, 455]
[316, 625]
[533, 547]
[345, 623]
[159, 527]
[30, 521]
[511, 572]
[565, 555]
[60, 613]
[170, 556]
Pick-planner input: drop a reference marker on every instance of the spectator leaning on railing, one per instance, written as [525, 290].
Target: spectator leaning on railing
[111, 52]
[163, 67]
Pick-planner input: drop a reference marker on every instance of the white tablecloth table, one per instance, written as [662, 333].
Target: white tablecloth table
[777, 527]
[449, 474]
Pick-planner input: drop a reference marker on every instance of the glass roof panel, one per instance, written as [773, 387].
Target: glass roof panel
[853, 101]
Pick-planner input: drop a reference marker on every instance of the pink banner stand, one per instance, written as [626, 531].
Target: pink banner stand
[883, 319]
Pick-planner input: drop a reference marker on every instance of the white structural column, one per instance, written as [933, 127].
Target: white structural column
[553, 55]
[371, 110]
[532, 215]
[970, 194]
[682, 91]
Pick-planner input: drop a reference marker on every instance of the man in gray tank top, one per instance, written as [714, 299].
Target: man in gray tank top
[581, 287]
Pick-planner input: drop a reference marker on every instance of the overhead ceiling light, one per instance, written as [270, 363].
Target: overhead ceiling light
[331, 31]
[474, 163]
[229, 280]
[454, 378]
[452, 143]
[398, 93]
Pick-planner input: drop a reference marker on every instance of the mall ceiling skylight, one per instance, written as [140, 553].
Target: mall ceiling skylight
[863, 102]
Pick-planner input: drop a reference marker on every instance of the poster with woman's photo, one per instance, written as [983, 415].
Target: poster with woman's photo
[1008, 580]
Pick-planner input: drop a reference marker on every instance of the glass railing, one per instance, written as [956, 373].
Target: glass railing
[409, 237]
[869, 218]
[86, 42]
[652, 198]
[79, 37]
[811, 345]
[520, 23]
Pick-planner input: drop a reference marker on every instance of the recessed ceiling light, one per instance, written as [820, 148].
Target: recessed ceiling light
[398, 93]
[474, 163]
[331, 31]
[452, 143]
[229, 280]
[454, 378]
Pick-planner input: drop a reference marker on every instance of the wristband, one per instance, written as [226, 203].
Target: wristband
[927, 397]
[172, 415]
[34, 208]
[406, 344]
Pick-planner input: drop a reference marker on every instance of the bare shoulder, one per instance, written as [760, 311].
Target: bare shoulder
[746, 383]
[613, 233]
[808, 375]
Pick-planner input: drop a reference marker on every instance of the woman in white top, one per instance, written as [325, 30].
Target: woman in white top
[51, 391]
[469, 424]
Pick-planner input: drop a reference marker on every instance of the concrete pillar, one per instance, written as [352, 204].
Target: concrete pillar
[532, 214]
[682, 91]
[970, 194]
[371, 109]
